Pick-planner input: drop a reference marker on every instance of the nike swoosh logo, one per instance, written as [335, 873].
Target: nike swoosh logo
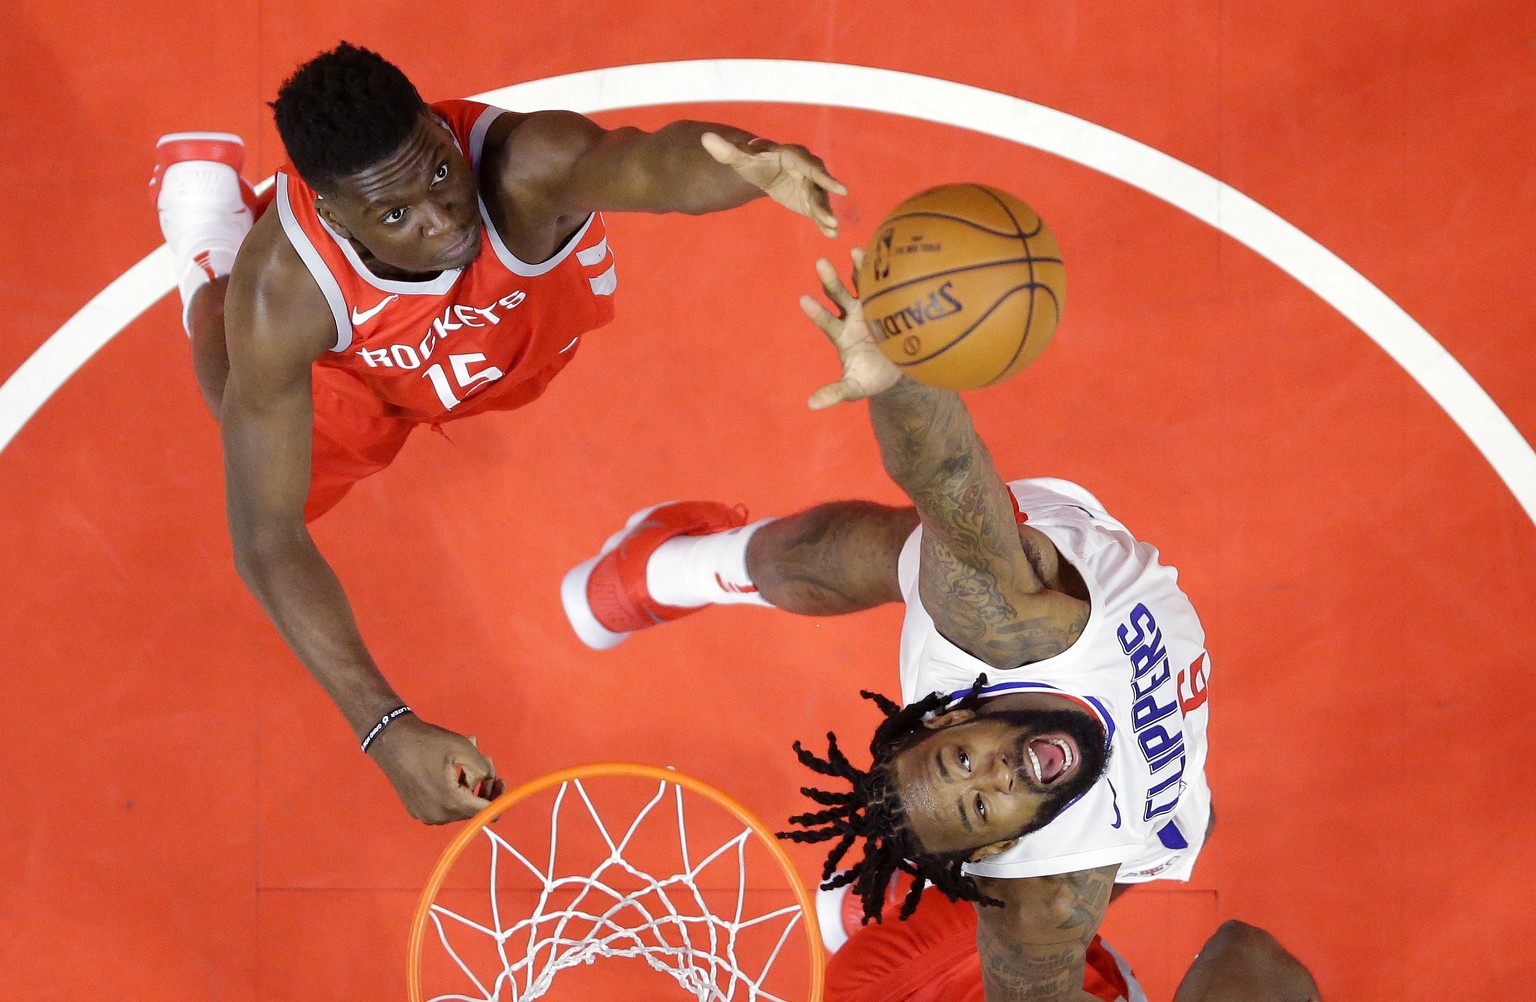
[358, 319]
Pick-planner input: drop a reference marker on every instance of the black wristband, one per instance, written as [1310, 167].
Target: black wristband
[384, 722]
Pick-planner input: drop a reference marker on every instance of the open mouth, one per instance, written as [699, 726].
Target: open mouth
[1051, 757]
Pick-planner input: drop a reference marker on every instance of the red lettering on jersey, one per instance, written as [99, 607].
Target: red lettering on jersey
[1199, 676]
[1018, 513]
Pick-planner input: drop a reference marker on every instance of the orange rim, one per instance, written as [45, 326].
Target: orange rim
[506, 800]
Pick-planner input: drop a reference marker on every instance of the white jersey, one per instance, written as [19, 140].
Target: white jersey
[1140, 667]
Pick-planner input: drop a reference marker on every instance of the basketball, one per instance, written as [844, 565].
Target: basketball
[962, 286]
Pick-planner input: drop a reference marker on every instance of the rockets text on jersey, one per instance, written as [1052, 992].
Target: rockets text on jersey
[454, 381]
[430, 350]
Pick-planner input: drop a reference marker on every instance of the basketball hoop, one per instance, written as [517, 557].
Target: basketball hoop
[608, 876]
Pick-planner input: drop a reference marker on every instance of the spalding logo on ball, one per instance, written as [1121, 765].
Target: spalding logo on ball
[962, 286]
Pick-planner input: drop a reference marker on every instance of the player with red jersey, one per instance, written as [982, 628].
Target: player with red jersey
[489, 336]
[418, 264]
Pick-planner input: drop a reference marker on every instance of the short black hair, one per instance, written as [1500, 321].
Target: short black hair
[872, 810]
[344, 111]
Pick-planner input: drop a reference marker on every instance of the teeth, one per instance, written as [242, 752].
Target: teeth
[1066, 750]
[1034, 761]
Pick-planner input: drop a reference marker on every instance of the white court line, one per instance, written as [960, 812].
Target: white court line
[906, 94]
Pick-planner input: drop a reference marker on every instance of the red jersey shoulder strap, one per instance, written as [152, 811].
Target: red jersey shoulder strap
[301, 225]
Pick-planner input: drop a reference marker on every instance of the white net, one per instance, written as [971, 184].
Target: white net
[620, 871]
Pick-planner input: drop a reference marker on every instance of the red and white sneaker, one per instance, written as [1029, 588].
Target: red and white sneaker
[206, 208]
[606, 598]
[840, 914]
[224, 148]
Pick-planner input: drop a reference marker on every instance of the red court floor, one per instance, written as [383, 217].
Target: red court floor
[186, 816]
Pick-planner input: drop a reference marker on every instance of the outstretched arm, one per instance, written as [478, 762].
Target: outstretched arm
[1034, 947]
[977, 579]
[266, 422]
[691, 167]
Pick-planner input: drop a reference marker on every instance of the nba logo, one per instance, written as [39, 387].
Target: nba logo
[883, 253]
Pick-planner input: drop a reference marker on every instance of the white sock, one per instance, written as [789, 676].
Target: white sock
[689, 571]
[202, 268]
[204, 218]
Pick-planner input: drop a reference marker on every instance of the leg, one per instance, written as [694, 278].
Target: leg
[832, 559]
[674, 559]
[205, 329]
[1243, 963]
[206, 208]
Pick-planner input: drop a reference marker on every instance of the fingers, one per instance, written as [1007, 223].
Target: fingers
[817, 172]
[821, 213]
[460, 805]
[472, 785]
[830, 326]
[809, 166]
[858, 267]
[723, 150]
[470, 770]
[833, 286]
[831, 394]
[819, 185]
[792, 176]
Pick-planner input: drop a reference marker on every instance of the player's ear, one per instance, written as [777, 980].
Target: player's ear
[978, 855]
[949, 719]
[328, 216]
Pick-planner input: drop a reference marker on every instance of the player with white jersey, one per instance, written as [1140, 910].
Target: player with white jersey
[1050, 740]
[422, 263]
[1139, 667]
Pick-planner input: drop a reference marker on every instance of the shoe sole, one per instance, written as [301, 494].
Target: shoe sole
[215, 147]
[573, 589]
[829, 916]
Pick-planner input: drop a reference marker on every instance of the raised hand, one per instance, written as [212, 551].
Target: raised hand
[791, 175]
[439, 776]
[866, 370]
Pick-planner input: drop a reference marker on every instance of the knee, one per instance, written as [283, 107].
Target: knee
[207, 306]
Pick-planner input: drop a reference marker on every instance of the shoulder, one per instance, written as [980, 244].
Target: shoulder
[538, 149]
[275, 311]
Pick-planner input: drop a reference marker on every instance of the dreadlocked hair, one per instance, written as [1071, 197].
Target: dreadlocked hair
[872, 811]
[343, 111]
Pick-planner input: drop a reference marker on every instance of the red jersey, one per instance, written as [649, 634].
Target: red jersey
[430, 350]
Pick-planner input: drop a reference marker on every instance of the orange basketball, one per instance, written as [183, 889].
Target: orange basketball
[962, 286]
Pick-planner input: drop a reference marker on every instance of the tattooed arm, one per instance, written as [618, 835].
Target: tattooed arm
[1034, 948]
[982, 578]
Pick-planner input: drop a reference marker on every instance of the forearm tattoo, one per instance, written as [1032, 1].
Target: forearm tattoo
[1036, 951]
[971, 548]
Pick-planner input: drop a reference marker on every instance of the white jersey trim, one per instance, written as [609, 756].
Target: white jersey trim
[1137, 993]
[329, 287]
[432, 287]
[604, 284]
[1071, 862]
[513, 263]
